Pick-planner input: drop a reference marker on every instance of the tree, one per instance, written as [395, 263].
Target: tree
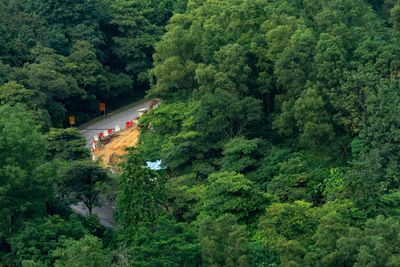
[287, 229]
[139, 26]
[183, 194]
[224, 243]
[164, 121]
[187, 152]
[24, 189]
[66, 144]
[312, 120]
[175, 84]
[12, 93]
[298, 179]
[293, 67]
[222, 48]
[37, 239]
[69, 21]
[51, 74]
[336, 219]
[374, 173]
[88, 70]
[269, 166]
[372, 245]
[84, 181]
[168, 244]
[88, 251]
[232, 193]
[240, 155]
[140, 196]
[211, 120]
[20, 31]
[293, 70]
[231, 60]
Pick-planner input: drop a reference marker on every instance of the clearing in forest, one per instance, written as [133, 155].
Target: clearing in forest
[115, 147]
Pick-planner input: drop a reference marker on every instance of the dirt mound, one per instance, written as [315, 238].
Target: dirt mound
[115, 147]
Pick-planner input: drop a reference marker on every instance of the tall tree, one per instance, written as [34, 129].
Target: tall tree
[25, 190]
[84, 181]
[232, 193]
[66, 144]
[87, 251]
[139, 26]
[140, 196]
[37, 239]
[224, 243]
[168, 244]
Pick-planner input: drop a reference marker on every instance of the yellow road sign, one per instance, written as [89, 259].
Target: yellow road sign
[71, 120]
[102, 107]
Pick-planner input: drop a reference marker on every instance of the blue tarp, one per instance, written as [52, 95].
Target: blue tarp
[156, 165]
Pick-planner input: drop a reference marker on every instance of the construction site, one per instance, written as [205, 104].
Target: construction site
[109, 146]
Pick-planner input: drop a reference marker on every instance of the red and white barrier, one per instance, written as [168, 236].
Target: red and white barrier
[142, 112]
[101, 136]
[128, 124]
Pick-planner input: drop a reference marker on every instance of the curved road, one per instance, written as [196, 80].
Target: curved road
[106, 209]
[112, 119]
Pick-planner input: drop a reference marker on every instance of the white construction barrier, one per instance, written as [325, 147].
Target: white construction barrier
[142, 111]
[100, 136]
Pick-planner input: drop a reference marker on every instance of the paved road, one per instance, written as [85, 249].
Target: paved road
[106, 210]
[113, 119]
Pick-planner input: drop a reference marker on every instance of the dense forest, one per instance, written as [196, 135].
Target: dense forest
[278, 132]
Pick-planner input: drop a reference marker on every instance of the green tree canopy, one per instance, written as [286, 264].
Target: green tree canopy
[24, 188]
[84, 181]
[66, 144]
[88, 251]
[37, 239]
[232, 193]
[168, 244]
[140, 197]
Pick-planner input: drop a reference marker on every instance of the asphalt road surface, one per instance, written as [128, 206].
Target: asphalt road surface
[105, 212]
[110, 121]
[106, 209]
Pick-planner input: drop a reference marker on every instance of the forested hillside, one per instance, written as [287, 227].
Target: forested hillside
[278, 132]
[64, 57]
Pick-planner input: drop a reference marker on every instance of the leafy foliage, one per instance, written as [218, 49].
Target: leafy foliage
[277, 132]
[24, 188]
[224, 243]
[87, 251]
[84, 180]
[168, 244]
[231, 193]
[140, 197]
[37, 239]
